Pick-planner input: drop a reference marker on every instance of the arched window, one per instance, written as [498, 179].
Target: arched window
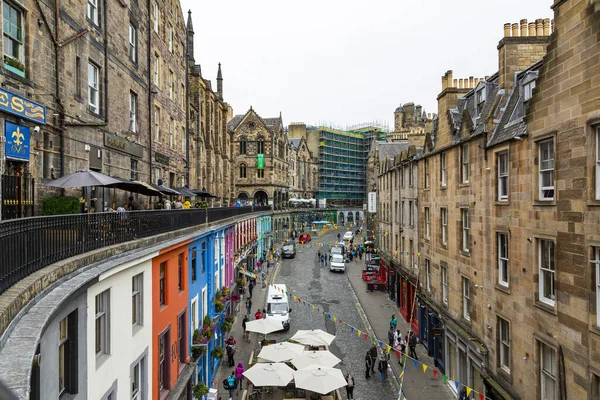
[260, 145]
[242, 170]
[242, 145]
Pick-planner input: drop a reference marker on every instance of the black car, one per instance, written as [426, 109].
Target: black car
[288, 250]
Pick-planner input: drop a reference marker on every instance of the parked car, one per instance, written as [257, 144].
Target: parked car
[348, 235]
[288, 250]
[337, 263]
[304, 238]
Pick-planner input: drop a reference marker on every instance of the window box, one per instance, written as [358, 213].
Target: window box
[14, 66]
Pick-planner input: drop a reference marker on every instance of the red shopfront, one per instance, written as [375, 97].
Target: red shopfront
[407, 301]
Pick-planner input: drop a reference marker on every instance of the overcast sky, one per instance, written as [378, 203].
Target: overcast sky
[347, 62]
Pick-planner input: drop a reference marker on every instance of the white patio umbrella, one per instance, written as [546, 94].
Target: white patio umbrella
[263, 326]
[279, 352]
[323, 358]
[319, 379]
[269, 374]
[313, 337]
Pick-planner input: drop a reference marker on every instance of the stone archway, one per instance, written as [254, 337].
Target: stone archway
[341, 218]
[261, 198]
[243, 198]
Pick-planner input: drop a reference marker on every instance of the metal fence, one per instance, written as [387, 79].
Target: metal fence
[31, 244]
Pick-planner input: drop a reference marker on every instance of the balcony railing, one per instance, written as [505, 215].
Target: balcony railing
[31, 244]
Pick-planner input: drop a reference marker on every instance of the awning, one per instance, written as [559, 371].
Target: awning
[134, 186]
[186, 192]
[165, 190]
[203, 193]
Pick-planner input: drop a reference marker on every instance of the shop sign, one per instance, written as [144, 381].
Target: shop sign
[118, 143]
[24, 108]
[260, 161]
[372, 202]
[437, 332]
[17, 141]
[161, 158]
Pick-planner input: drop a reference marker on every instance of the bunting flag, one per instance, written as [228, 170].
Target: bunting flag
[366, 336]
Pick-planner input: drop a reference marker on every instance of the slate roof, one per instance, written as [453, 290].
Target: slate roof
[391, 149]
[234, 122]
[272, 123]
[295, 142]
[399, 109]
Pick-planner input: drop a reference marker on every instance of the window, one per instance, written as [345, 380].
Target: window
[92, 11]
[502, 239]
[181, 345]
[183, 97]
[132, 112]
[503, 176]
[396, 212]
[444, 219]
[466, 298]
[102, 323]
[180, 272]
[426, 172]
[193, 265]
[596, 263]
[465, 230]
[203, 257]
[480, 100]
[547, 372]
[546, 168]
[134, 170]
[157, 124]
[444, 284]
[156, 15]
[78, 76]
[427, 224]
[93, 88]
[411, 216]
[260, 173]
[464, 162]
[162, 284]
[136, 380]
[428, 274]
[243, 146]
[63, 337]
[171, 85]
[242, 170]
[402, 176]
[410, 175]
[171, 132]
[597, 163]
[402, 212]
[546, 267]
[260, 146]
[528, 90]
[163, 361]
[132, 43]
[504, 344]
[412, 253]
[156, 70]
[170, 38]
[443, 171]
[137, 311]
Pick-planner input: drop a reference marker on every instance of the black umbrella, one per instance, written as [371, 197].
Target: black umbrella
[203, 193]
[165, 190]
[135, 187]
[83, 178]
[186, 192]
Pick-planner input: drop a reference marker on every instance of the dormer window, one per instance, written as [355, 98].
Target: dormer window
[480, 98]
[528, 90]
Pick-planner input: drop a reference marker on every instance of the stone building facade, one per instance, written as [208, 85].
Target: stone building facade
[306, 141]
[260, 159]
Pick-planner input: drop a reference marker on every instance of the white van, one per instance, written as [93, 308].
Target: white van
[337, 263]
[278, 307]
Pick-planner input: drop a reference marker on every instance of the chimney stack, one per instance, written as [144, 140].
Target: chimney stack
[455, 83]
[547, 27]
[523, 28]
[470, 82]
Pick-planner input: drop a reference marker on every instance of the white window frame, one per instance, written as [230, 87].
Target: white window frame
[443, 169]
[596, 263]
[132, 112]
[92, 11]
[136, 377]
[480, 98]
[466, 227]
[464, 163]
[428, 274]
[170, 33]
[502, 161]
[547, 375]
[528, 90]
[546, 168]
[132, 43]
[427, 223]
[503, 254]
[93, 87]
[597, 163]
[137, 300]
[156, 14]
[444, 284]
[444, 221]
[156, 70]
[466, 292]
[426, 172]
[171, 132]
[63, 338]
[156, 124]
[504, 344]
[546, 265]
[102, 319]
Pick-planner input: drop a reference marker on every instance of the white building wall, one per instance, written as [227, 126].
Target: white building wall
[127, 343]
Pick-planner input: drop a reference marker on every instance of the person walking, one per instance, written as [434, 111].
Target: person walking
[391, 337]
[402, 350]
[382, 367]
[244, 322]
[250, 288]
[350, 386]
[231, 385]
[239, 378]
[368, 365]
[258, 314]
[319, 256]
[339, 236]
[412, 345]
[230, 349]
[393, 322]
[373, 354]
[248, 306]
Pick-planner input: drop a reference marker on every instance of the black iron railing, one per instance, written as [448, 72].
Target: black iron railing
[30, 244]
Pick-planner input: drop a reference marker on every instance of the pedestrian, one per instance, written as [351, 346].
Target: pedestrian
[258, 314]
[368, 365]
[350, 255]
[250, 288]
[319, 255]
[412, 345]
[396, 336]
[373, 354]
[360, 253]
[391, 337]
[322, 259]
[230, 348]
[393, 322]
[382, 367]
[350, 386]
[231, 385]
[248, 306]
[326, 259]
[238, 375]
[339, 236]
[133, 205]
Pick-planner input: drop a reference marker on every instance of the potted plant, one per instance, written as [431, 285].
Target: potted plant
[225, 327]
[230, 318]
[197, 351]
[225, 291]
[200, 390]
[239, 281]
[219, 306]
[218, 352]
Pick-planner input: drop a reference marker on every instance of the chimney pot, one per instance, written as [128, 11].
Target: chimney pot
[487, 77]
[470, 82]
[539, 27]
[455, 83]
[476, 82]
[532, 29]
[523, 27]
[460, 83]
[428, 115]
[547, 27]
[506, 30]
[515, 30]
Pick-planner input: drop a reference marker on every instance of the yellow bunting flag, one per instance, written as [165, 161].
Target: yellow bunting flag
[424, 368]
[358, 333]
[389, 348]
[401, 374]
[468, 391]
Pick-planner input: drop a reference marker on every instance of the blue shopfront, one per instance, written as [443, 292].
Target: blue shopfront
[431, 333]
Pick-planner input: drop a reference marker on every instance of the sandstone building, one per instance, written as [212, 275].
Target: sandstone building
[305, 141]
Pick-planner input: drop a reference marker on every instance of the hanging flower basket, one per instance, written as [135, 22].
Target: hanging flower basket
[235, 297]
[225, 327]
[219, 307]
[218, 352]
[200, 390]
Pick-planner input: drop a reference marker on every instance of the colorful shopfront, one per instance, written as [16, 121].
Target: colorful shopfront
[431, 333]
[408, 288]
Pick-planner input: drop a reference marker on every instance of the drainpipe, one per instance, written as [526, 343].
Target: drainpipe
[150, 116]
[187, 108]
